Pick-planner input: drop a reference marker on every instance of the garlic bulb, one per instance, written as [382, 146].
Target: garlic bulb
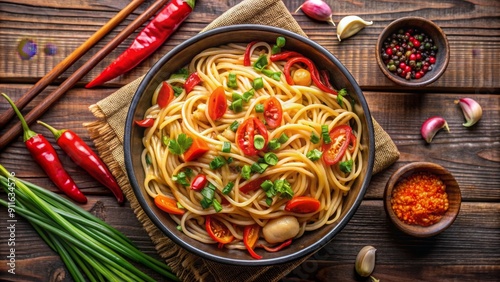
[365, 261]
[350, 25]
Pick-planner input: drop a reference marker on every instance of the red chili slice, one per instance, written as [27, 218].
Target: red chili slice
[253, 185]
[199, 182]
[335, 150]
[217, 103]
[302, 204]
[192, 80]
[246, 133]
[165, 95]
[250, 237]
[273, 113]
[246, 56]
[148, 122]
[285, 55]
[168, 205]
[217, 230]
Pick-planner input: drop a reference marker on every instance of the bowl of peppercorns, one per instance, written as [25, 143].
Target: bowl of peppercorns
[422, 199]
[413, 51]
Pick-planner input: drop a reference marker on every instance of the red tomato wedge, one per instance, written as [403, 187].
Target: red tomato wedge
[168, 205]
[302, 204]
[246, 133]
[197, 149]
[192, 80]
[250, 237]
[165, 95]
[273, 113]
[335, 150]
[199, 182]
[217, 103]
[217, 230]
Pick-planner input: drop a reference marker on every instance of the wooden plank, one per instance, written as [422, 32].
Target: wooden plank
[472, 29]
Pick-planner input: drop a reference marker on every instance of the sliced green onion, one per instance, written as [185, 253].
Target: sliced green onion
[231, 82]
[273, 144]
[274, 75]
[266, 185]
[236, 96]
[236, 106]
[226, 147]
[314, 138]
[217, 162]
[258, 83]
[259, 142]
[164, 140]
[340, 94]
[271, 158]
[259, 108]
[283, 138]
[280, 41]
[314, 155]
[325, 134]
[269, 201]
[227, 189]
[217, 206]
[261, 63]
[346, 166]
[245, 172]
[258, 167]
[234, 126]
[248, 95]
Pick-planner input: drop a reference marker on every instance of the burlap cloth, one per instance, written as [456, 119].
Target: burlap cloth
[107, 133]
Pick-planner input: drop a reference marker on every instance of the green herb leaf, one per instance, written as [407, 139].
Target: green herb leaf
[181, 178]
[182, 73]
[177, 90]
[181, 145]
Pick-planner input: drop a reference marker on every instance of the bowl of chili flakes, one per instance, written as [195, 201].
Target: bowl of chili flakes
[422, 199]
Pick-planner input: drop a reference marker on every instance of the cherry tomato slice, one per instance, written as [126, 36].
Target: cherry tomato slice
[246, 133]
[165, 95]
[168, 205]
[217, 230]
[250, 237]
[197, 149]
[217, 103]
[273, 113]
[192, 80]
[302, 204]
[148, 122]
[253, 185]
[335, 150]
[199, 182]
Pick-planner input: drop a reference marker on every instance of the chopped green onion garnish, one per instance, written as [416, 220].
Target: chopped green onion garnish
[271, 158]
[181, 178]
[229, 160]
[236, 96]
[234, 126]
[236, 106]
[258, 83]
[259, 108]
[280, 41]
[274, 75]
[231, 82]
[314, 138]
[340, 94]
[283, 138]
[284, 188]
[248, 95]
[245, 172]
[217, 206]
[261, 63]
[182, 73]
[273, 144]
[314, 155]
[258, 167]
[275, 49]
[325, 134]
[179, 227]
[266, 185]
[346, 166]
[259, 142]
[164, 140]
[148, 160]
[226, 147]
[217, 162]
[179, 205]
[177, 90]
[269, 201]
[227, 189]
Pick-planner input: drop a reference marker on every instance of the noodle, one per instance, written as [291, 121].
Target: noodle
[306, 111]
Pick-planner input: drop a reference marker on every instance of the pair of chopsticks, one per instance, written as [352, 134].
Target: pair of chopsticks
[41, 108]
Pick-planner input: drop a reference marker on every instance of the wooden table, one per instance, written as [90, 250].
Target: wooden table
[467, 251]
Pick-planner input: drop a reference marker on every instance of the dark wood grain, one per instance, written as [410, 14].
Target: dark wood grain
[467, 251]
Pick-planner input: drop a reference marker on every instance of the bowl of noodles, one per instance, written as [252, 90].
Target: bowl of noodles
[249, 145]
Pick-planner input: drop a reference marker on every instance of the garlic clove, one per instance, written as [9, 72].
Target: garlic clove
[350, 25]
[365, 261]
[431, 126]
[471, 109]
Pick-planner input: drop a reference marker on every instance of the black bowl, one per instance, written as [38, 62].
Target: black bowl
[178, 58]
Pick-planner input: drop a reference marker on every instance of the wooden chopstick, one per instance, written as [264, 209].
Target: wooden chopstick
[69, 60]
[38, 110]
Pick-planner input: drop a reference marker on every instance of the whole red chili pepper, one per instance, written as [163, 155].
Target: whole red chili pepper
[148, 40]
[83, 156]
[312, 69]
[46, 156]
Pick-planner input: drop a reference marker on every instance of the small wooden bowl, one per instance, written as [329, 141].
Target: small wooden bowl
[452, 189]
[434, 32]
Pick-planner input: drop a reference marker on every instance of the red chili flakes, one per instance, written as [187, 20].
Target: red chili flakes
[420, 199]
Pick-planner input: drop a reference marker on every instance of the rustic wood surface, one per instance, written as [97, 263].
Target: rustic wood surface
[467, 251]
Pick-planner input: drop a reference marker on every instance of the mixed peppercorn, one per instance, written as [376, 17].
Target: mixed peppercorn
[409, 53]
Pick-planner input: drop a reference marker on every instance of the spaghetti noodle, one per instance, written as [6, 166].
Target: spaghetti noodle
[288, 165]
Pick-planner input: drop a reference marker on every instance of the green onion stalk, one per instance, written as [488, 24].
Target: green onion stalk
[91, 249]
